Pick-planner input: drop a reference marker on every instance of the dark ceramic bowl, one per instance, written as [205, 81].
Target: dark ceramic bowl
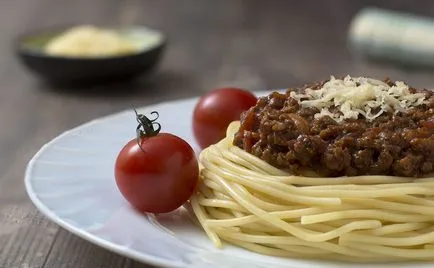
[30, 49]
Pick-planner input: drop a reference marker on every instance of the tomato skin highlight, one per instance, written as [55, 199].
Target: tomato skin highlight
[160, 178]
[216, 110]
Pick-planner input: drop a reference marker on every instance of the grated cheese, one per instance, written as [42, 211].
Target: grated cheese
[90, 41]
[359, 96]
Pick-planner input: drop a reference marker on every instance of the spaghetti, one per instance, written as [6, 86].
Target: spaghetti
[247, 202]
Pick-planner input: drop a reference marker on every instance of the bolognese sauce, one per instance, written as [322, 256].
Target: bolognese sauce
[367, 127]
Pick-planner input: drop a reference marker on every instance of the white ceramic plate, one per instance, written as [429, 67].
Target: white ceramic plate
[71, 181]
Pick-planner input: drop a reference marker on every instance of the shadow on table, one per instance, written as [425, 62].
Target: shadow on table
[159, 83]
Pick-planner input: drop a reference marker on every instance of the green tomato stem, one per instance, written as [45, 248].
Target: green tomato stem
[146, 128]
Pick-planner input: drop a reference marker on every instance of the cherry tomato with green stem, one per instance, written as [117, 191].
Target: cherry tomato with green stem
[156, 172]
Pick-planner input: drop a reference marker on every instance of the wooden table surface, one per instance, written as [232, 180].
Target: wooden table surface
[253, 44]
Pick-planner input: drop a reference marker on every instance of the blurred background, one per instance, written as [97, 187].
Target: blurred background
[257, 45]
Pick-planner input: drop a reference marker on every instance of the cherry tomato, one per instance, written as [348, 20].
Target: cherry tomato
[216, 110]
[157, 172]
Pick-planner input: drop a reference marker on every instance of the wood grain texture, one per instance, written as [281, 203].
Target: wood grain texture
[254, 44]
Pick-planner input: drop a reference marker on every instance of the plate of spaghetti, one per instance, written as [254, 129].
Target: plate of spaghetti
[331, 174]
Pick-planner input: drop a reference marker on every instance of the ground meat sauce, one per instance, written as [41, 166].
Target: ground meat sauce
[287, 136]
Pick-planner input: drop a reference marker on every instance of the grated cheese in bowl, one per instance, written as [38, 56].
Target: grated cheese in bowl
[355, 96]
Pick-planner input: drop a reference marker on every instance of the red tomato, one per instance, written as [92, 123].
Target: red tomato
[160, 174]
[216, 110]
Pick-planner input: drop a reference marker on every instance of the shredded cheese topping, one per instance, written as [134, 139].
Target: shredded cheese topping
[355, 96]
